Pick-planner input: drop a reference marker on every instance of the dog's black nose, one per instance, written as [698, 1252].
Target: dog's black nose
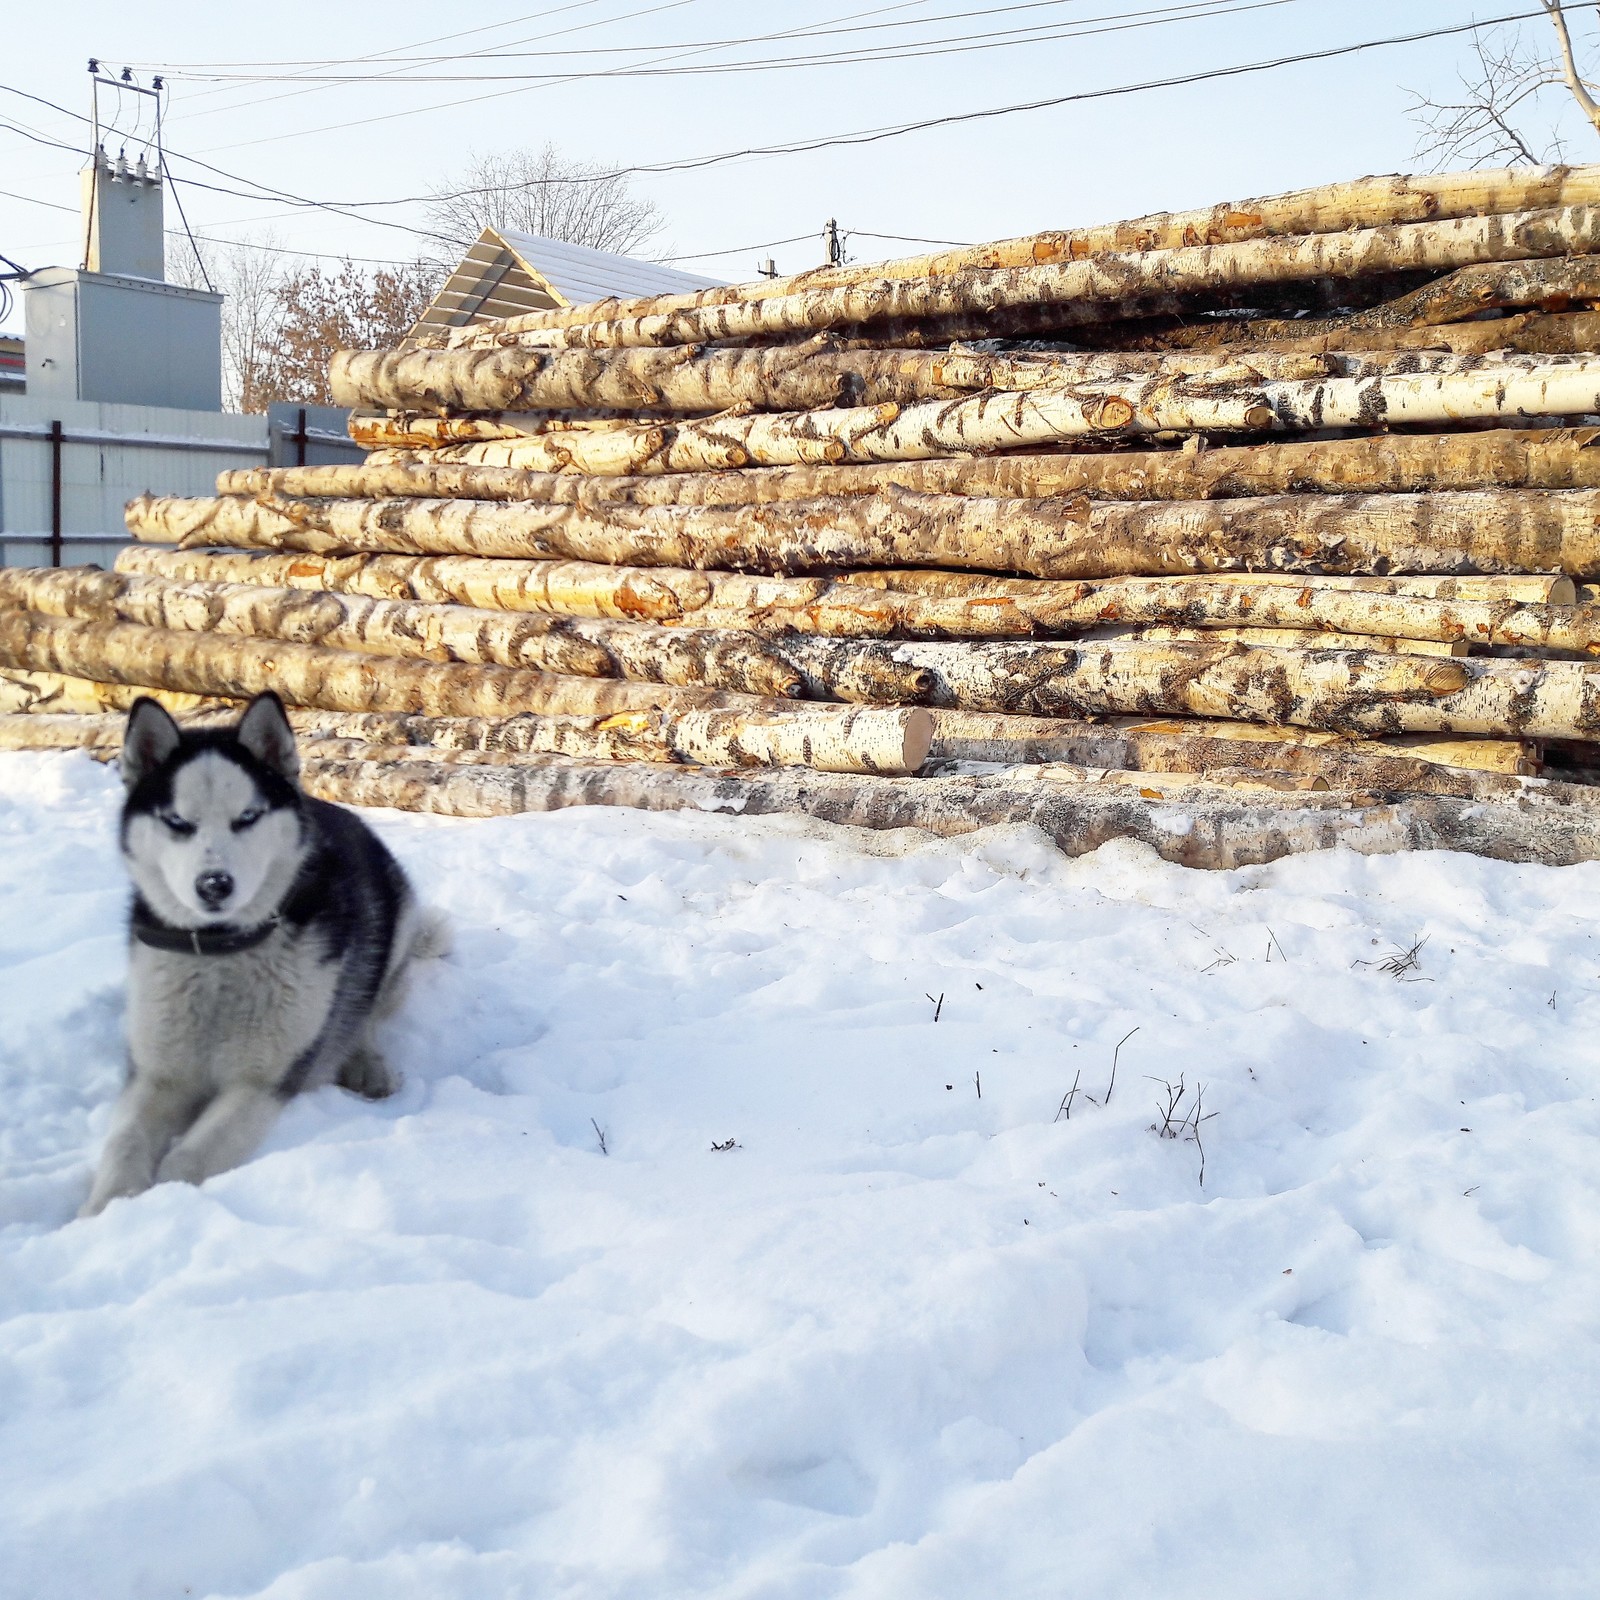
[213, 888]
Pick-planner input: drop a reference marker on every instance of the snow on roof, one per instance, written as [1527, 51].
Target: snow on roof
[505, 274]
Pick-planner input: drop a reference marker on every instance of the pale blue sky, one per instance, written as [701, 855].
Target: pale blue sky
[1072, 164]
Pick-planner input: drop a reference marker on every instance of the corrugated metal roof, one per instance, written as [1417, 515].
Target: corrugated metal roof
[505, 274]
[580, 275]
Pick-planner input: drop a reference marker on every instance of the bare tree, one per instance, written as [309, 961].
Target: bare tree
[282, 318]
[549, 194]
[248, 275]
[1570, 75]
[1493, 122]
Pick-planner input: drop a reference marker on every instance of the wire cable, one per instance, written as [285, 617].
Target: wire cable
[911, 50]
[902, 238]
[738, 250]
[316, 86]
[200, 70]
[350, 209]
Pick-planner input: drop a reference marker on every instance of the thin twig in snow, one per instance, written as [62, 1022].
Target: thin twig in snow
[1399, 962]
[1065, 1108]
[600, 1134]
[1114, 1054]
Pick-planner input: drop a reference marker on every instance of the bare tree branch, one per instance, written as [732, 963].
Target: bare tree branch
[281, 323]
[1482, 128]
[1488, 125]
[546, 193]
[248, 274]
[1569, 67]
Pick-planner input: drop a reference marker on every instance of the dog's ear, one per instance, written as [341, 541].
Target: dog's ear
[150, 737]
[265, 732]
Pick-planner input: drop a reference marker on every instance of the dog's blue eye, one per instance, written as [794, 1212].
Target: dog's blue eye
[248, 818]
[178, 825]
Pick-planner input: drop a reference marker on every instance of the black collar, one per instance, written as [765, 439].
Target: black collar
[304, 900]
[218, 941]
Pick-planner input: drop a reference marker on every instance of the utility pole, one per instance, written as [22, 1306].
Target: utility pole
[767, 268]
[834, 243]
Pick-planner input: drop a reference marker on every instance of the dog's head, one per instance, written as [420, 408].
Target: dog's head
[213, 825]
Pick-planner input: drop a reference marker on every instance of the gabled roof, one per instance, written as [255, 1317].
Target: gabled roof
[505, 274]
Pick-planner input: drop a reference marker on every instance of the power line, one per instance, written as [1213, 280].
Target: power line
[902, 238]
[904, 5]
[258, 192]
[391, 261]
[1185, 10]
[802, 238]
[897, 130]
[348, 209]
[956, 45]
[963, 44]
[201, 69]
[244, 244]
[317, 85]
[891, 131]
[739, 250]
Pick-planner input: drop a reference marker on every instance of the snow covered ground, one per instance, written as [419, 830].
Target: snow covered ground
[901, 1339]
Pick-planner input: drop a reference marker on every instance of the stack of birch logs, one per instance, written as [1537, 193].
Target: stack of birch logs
[1254, 529]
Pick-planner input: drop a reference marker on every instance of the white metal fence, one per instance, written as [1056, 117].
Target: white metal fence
[67, 468]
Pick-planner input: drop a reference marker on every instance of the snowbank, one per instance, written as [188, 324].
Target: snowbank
[901, 1339]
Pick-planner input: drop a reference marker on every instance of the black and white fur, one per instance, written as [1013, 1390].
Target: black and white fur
[268, 931]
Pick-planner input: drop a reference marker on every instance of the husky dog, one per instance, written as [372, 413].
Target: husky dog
[268, 930]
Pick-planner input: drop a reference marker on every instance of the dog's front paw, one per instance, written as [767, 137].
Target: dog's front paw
[366, 1073]
[182, 1166]
[103, 1194]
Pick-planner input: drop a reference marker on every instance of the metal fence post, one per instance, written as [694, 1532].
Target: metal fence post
[56, 441]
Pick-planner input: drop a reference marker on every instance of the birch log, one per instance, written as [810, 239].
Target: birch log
[1526, 333]
[1183, 746]
[46, 693]
[1281, 639]
[1351, 690]
[889, 604]
[1490, 531]
[311, 675]
[1082, 291]
[1500, 588]
[1192, 744]
[1548, 458]
[1409, 761]
[1517, 386]
[1169, 745]
[1128, 745]
[1364, 203]
[511, 384]
[1152, 785]
[717, 659]
[862, 739]
[98, 732]
[1230, 830]
[959, 531]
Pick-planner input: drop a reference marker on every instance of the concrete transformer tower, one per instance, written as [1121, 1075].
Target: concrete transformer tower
[114, 329]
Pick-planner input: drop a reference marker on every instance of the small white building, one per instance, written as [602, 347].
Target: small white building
[506, 274]
[123, 388]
